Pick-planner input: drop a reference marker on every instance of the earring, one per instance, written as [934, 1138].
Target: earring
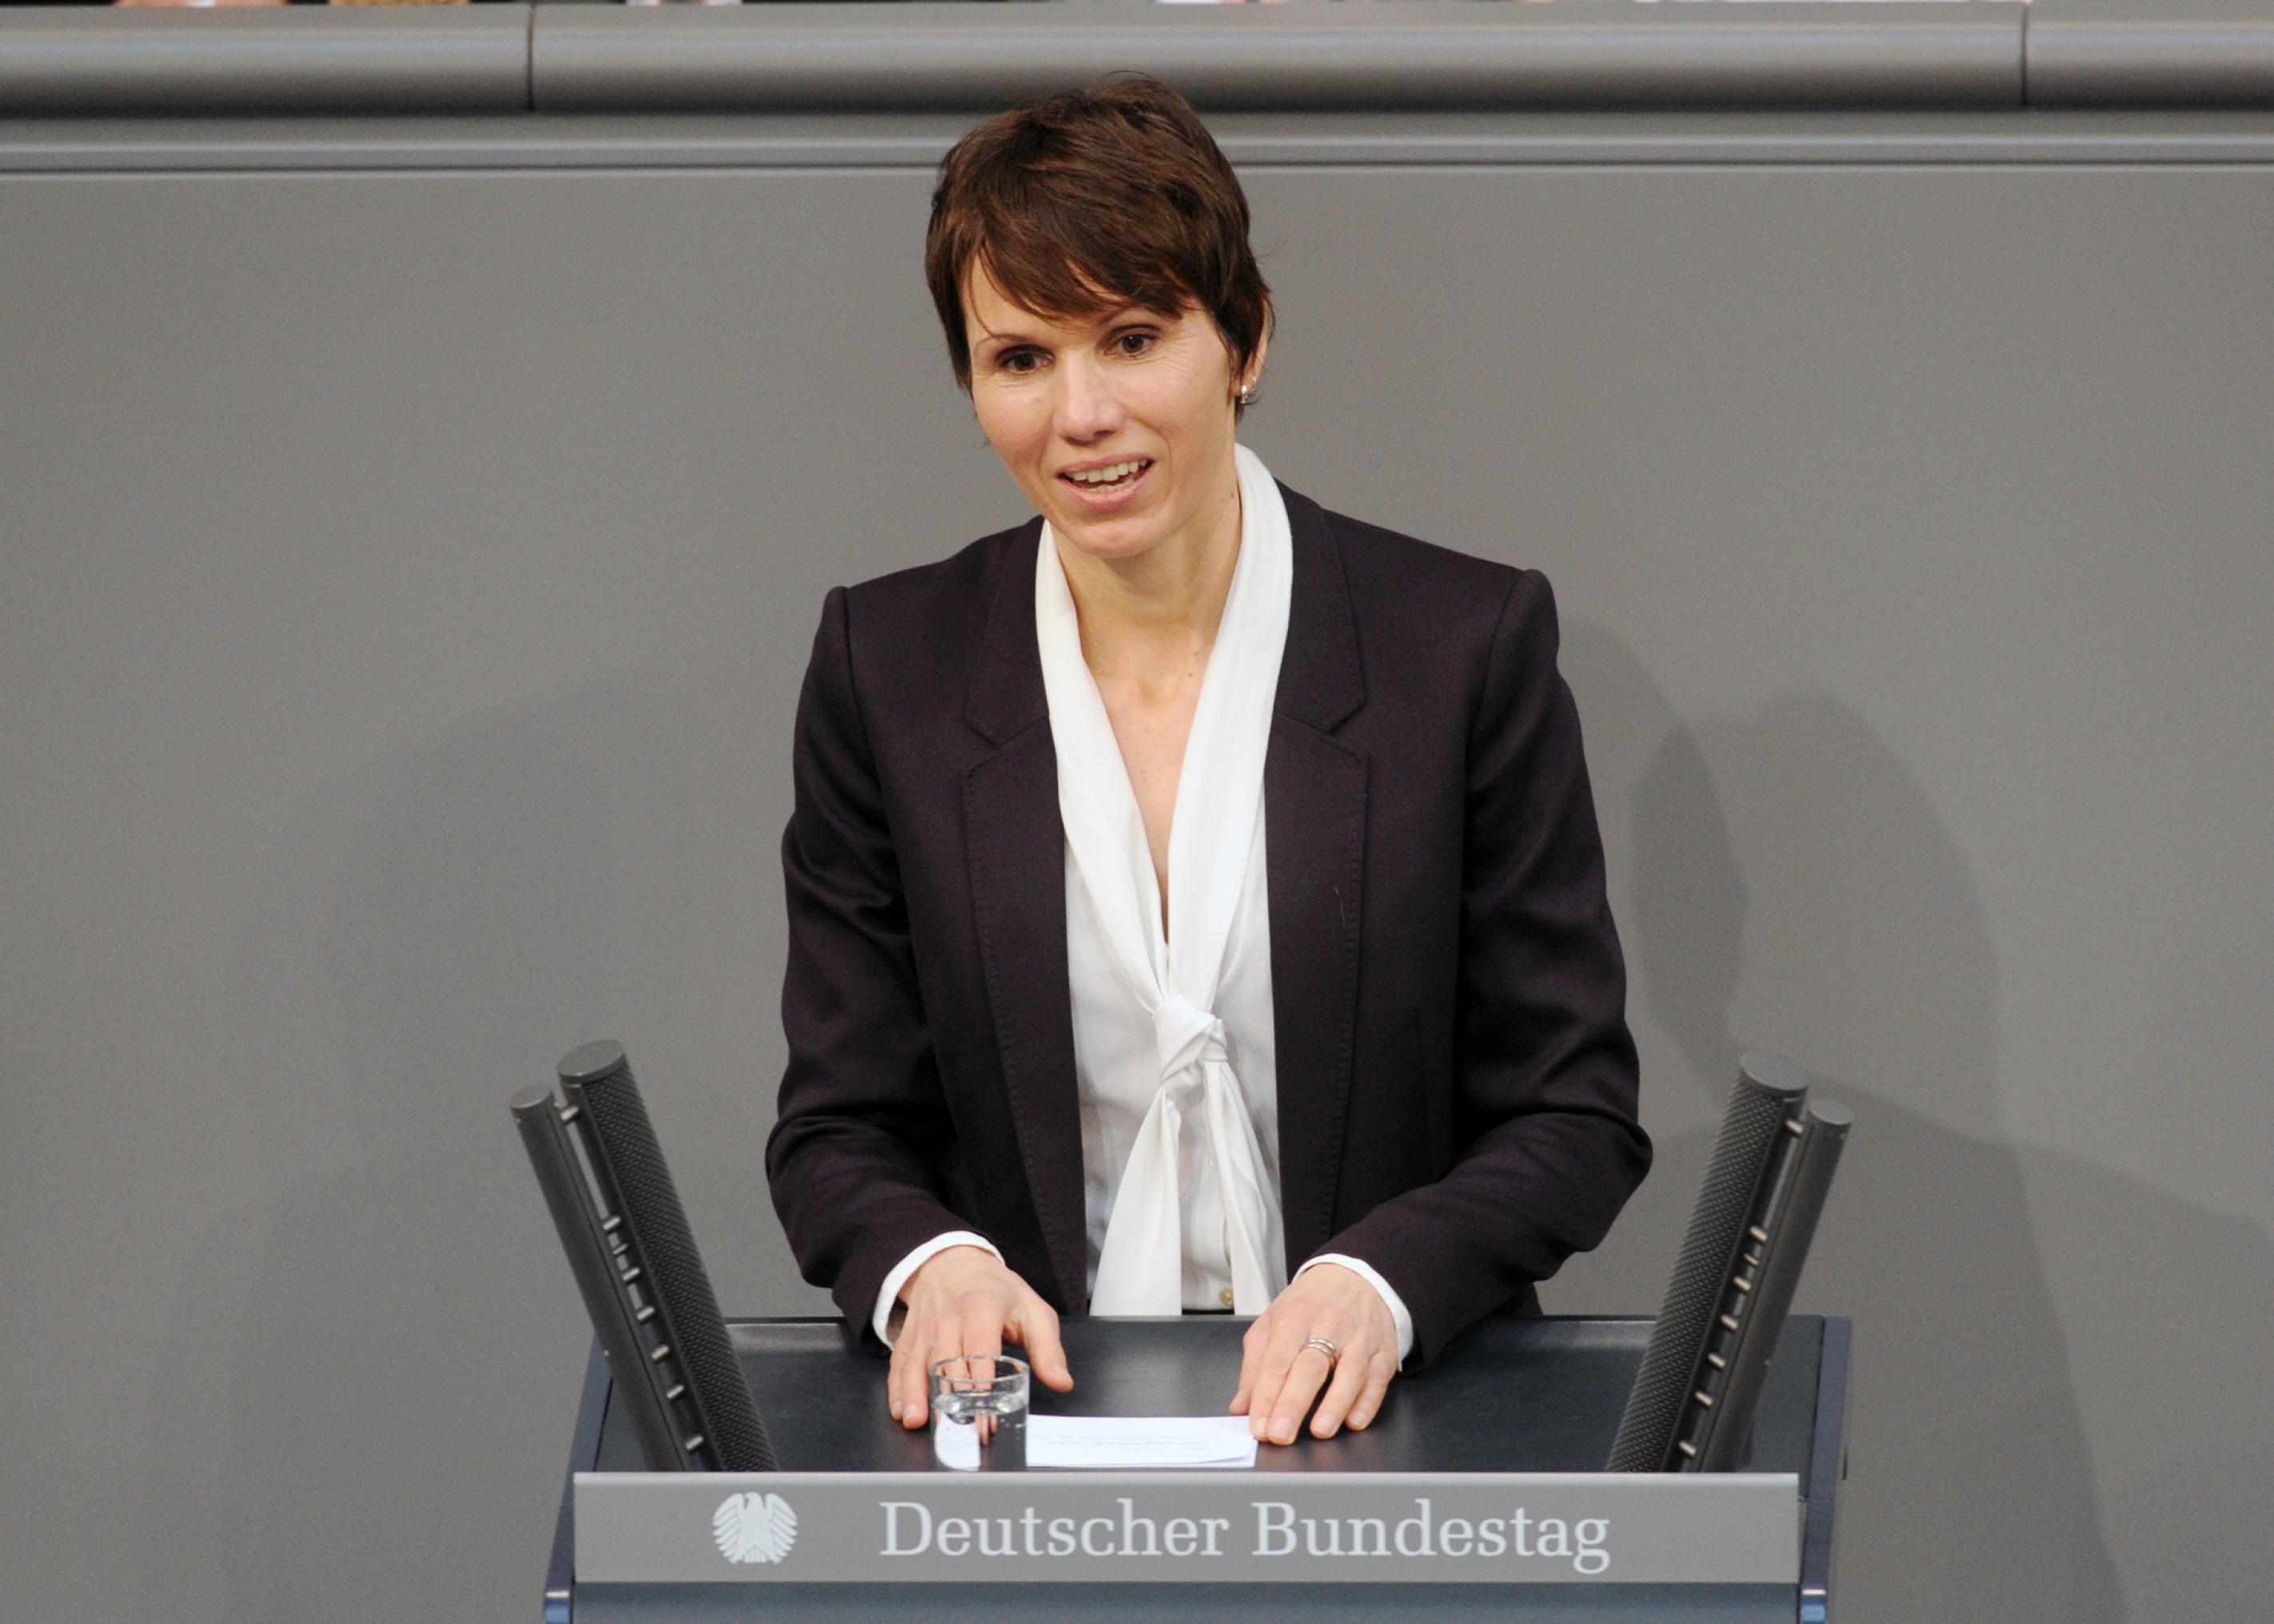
[1249, 396]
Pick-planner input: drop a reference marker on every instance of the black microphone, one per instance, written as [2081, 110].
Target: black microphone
[616, 1308]
[641, 1275]
[1691, 1406]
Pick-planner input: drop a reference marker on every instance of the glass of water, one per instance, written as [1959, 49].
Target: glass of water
[979, 1412]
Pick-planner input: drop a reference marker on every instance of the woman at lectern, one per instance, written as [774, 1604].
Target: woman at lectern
[1195, 899]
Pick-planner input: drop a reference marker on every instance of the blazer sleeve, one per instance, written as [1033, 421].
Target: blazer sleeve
[1544, 1069]
[861, 1113]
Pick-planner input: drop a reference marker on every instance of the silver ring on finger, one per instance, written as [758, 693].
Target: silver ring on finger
[1324, 1346]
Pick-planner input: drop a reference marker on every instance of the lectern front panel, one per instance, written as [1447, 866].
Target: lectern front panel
[1520, 1415]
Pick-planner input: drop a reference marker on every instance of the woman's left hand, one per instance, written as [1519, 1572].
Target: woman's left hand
[1279, 1376]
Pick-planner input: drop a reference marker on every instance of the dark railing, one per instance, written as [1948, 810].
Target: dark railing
[1309, 56]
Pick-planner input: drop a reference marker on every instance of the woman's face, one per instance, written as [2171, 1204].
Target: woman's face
[1142, 399]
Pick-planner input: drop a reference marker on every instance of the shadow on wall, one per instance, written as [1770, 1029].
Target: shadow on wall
[371, 1381]
[1796, 891]
[1867, 959]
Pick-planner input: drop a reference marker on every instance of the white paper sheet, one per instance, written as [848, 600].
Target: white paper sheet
[1110, 1443]
[1067, 1443]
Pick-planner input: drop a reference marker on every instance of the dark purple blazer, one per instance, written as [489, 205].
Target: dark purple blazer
[1457, 1083]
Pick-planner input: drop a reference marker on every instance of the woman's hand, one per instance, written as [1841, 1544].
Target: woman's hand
[963, 1300]
[1279, 1376]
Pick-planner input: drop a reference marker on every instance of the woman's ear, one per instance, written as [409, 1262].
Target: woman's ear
[1253, 380]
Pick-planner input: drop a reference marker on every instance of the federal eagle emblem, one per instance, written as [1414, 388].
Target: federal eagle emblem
[754, 1527]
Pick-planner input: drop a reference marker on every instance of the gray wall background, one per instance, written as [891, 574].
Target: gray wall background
[407, 577]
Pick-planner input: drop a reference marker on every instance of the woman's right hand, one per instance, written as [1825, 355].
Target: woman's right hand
[964, 1300]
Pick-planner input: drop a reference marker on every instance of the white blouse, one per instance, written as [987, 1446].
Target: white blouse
[1174, 1045]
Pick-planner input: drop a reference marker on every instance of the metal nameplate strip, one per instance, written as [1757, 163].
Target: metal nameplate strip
[1246, 1527]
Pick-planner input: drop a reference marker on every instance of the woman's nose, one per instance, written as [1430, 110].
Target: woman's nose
[1087, 407]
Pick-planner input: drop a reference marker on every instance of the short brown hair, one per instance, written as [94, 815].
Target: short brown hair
[1113, 194]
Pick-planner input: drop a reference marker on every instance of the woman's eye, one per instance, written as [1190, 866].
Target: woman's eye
[1019, 361]
[1134, 343]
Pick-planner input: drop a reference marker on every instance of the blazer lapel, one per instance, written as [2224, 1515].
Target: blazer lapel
[1015, 849]
[1315, 796]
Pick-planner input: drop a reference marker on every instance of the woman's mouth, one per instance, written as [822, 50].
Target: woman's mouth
[1108, 485]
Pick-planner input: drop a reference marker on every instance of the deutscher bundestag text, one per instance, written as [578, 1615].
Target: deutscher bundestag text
[1276, 1531]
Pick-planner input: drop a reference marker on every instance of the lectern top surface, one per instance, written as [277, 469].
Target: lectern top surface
[1517, 1393]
